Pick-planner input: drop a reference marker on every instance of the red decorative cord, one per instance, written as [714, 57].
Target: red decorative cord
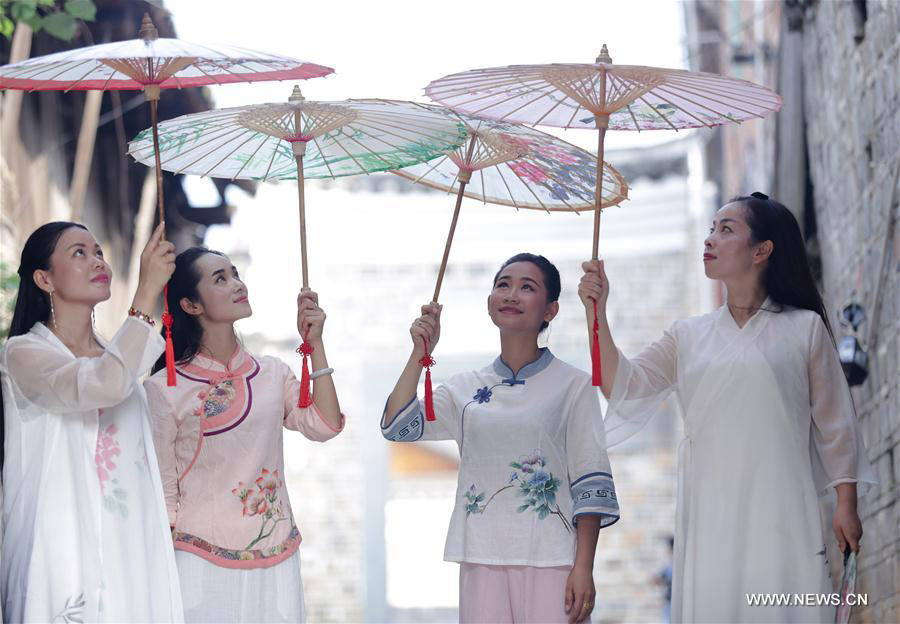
[306, 350]
[170, 348]
[596, 372]
[427, 361]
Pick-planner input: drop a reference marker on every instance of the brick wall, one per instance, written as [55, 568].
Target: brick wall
[851, 74]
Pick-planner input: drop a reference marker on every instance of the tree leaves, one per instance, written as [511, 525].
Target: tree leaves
[81, 9]
[61, 25]
[59, 21]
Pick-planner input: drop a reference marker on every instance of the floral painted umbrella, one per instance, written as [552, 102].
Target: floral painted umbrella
[512, 165]
[300, 139]
[600, 96]
[151, 64]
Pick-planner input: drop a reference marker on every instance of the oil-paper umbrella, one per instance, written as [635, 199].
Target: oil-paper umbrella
[601, 96]
[300, 139]
[151, 64]
[513, 165]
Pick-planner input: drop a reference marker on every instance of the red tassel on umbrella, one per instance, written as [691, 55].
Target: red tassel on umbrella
[170, 348]
[596, 373]
[305, 399]
[427, 361]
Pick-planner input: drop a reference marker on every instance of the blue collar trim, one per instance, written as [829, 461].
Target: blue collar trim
[532, 368]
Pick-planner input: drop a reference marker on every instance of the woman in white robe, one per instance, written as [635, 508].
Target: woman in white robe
[769, 424]
[85, 533]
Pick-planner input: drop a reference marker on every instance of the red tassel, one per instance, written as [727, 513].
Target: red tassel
[305, 399]
[427, 361]
[170, 348]
[596, 373]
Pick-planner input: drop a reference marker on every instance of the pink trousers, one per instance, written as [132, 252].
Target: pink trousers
[512, 594]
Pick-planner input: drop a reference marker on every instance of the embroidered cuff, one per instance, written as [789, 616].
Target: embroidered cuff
[595, 494]
[407, 426]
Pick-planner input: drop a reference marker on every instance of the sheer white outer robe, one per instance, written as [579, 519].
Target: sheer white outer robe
[69, 550]
[769, 427]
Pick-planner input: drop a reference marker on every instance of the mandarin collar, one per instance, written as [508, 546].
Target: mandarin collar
[208, 364]
[531, 368]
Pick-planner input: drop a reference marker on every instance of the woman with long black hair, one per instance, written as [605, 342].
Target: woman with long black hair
[769, 424]
[85, 536]
[219, 441]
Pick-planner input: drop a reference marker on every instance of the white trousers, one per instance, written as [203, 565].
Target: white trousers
[213, 593]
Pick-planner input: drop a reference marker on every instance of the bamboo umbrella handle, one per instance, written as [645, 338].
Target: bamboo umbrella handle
[459, 198]
[301, 193]
[598, 190]
[464, 176]
[159, 176]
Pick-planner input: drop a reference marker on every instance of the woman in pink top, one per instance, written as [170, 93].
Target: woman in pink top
[218, 436]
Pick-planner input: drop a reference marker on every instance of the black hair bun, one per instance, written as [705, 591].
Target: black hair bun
[759, 195]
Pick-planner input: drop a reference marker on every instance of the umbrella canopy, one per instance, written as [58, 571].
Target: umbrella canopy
[155, 62]
[152, 64]
[604, 95]
[601, 95]
[335, 139]
[299, 139]
[513, 165]
[516, 166]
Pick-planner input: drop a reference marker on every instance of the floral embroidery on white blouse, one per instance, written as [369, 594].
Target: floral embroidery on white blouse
[105, 455]
[537, 485]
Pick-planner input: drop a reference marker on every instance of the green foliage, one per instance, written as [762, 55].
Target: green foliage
[9, 286]
[59, 19]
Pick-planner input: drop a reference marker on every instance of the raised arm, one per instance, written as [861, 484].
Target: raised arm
[594, 290]
[426, 328]
[57, 381]
[322, 420]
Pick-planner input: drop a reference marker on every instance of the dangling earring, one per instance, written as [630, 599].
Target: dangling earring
[93, 320]
[52, 311]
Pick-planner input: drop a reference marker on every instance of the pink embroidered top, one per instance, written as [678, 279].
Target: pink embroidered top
[218, 438]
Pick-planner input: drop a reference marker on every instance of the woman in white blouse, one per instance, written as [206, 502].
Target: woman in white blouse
[769, 424]
[535, 485]
[85, 535]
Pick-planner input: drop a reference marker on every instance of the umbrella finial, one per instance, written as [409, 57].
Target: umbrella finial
[604, 56]
[296, 96]
[148, 31]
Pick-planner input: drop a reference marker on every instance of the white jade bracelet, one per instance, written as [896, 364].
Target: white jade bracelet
[320, 372]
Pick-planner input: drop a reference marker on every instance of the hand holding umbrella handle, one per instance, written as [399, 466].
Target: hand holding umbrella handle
[425, 325]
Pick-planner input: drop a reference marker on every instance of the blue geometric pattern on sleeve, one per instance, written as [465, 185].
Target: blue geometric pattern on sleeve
[408, 425]
[595, 494]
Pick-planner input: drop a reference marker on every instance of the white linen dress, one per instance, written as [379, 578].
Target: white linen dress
[769, 427]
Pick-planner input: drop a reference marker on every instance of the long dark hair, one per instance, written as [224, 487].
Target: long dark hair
[186, 329]
[32, 303]
[787, 278]
[549, 271]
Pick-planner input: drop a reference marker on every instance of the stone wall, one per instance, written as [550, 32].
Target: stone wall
[851, 73]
